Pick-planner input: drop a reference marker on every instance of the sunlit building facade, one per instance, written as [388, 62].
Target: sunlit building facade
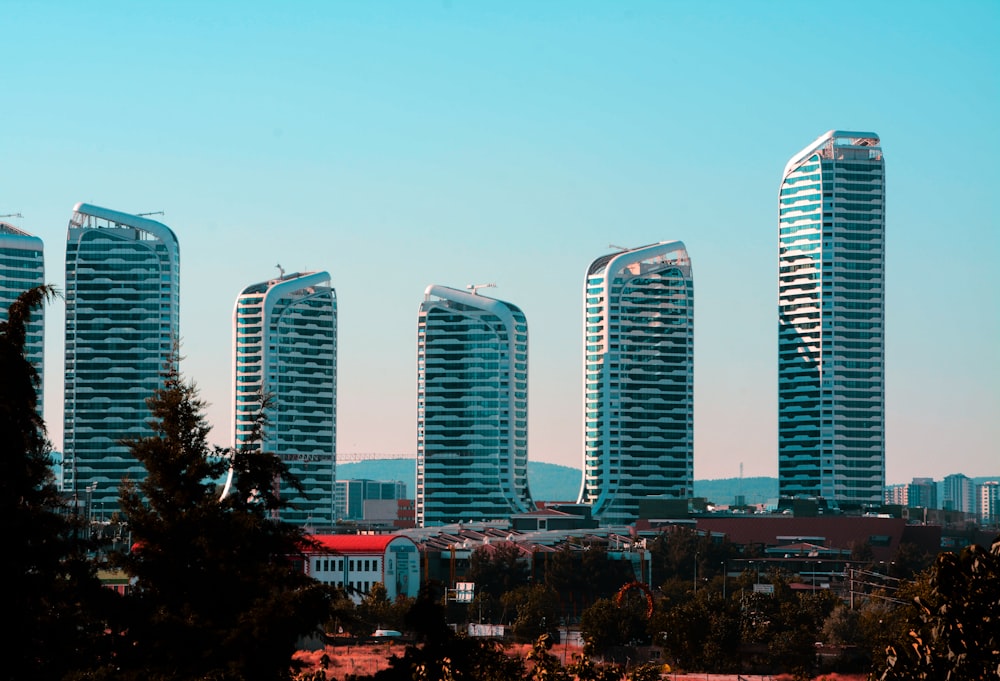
[22, 267]
[831, 314]
[638, 380]
[122, 330]
[472, 408]
[959, 493]
[285, 348]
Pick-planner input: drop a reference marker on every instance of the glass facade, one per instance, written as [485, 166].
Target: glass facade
[472, 408]
[285, 346]
[122, 328]
[22, 267]
[831, 302]
[638, 380]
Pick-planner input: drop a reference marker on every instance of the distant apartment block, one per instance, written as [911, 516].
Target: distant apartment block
[472, 408]
[897, 495]
[959, 494]
[922, 492]
[831, 321]
[122, 330]
[351, 496]
[638, 380]
[989, 503]
[285, 347]
[22, 267]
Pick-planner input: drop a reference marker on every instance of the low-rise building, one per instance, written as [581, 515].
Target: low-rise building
[357, 561]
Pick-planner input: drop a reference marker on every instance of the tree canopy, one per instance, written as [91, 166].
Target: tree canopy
[218, 587]
[53, 599]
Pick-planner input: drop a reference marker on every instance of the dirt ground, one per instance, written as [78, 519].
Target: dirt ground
[368, 658]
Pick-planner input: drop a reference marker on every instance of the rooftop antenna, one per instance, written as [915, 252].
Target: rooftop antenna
[155, 212]
[475, 287]
[620, 248]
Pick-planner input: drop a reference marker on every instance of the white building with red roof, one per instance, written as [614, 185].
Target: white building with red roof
[357, 561]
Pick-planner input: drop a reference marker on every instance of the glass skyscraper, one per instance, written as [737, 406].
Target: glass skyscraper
[285, 347]
[22, 267]
[122, 328]
[831, 313]
[472, 408]
[638, 381]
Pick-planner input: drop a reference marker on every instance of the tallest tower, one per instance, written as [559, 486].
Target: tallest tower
[831, 314]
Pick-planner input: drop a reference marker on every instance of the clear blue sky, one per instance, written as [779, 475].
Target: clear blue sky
[400, 144]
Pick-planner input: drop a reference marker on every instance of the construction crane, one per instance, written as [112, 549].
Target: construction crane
[475, 287]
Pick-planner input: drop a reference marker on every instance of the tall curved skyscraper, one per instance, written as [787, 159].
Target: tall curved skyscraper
[122, 327]
[472, 408]
[831, 315]
[285, 347]
[22, 266]
[638, 381]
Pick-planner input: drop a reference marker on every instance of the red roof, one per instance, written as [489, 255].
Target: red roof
[353, 543]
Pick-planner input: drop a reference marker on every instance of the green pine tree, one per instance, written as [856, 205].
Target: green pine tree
[219, 592]
[51, 591]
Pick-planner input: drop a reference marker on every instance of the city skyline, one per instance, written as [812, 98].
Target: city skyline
[398, 146]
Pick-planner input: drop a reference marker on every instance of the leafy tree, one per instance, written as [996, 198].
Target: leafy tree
[841, 628]
[375, 607]
[537, 610]
[908, 560]
[217, 591]
[606, 625]
[497, 569]
[701, 634]
[52, 593]
[439, 653]
[585, 669]
[545, 665]
[602, 576]
[958, 631]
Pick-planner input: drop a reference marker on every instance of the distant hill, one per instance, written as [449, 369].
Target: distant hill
[548, 481]
[552, 482]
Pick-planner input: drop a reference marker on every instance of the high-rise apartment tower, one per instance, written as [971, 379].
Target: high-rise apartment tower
[959, 493]
[638, 387]
[22, 266]
[122, 329]
[472, 408]
[831, 313]
[285, 348]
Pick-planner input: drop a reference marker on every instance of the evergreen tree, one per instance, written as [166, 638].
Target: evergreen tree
[51, 590]
[219, 591]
